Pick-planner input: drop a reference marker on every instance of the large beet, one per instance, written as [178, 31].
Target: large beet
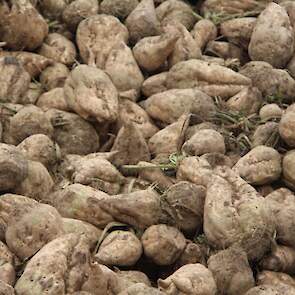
[272, 38]
[46, 271]
[235, 211]
[91, 94]
[13, 167]
[97, 35]
[21, 26]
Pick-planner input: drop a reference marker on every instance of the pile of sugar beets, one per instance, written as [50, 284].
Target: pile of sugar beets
[147, 147]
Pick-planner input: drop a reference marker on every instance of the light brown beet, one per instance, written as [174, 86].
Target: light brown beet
[7, 271]
[291, 67]
[226, 50]
[29, 232]
[59, 49]
[33, 63]
[81, 202]
[38, 183]
[203, 32]
[242, 209]
[140, 208]
[54, 76]
[248, 101]
[154, 84]
[130, 146]
[217, 159]
[186, 201]
[67, 254]
[14, 81]
[203, 142]
[8, 110]
[163, 244]
[168, 106]
[142, 21]
[75, 226]
[32, 94]
[97, 35]
[286, 124]
[28, 121]
[13, 167]
[71, 132]
[22, 27]
[6, 289]
[191, 130]
[77, 11]
[91, 94]
[238, 30]
[196, 170]
[171, 11]
[131, 94]
[52, 8]
[53, 99]
[192, 254]
[128, 278]
[270, 111]
[141, 289]
[232, 7]
[118, 8]
[185, 47]
[267, 277]
[265, 134]
[198, 280]
[12, 206]
[123, 69]
[289, 7]
[172, 133]
[272, 41]
[152, 52]
[95, 171]
[114, 284]
[281, 202]
[231, 271]
[288, 169]
[41, 148]
[270, 81]
[281, 258]
[119, 248]
[271, 290]
[130, 111]
[262, 165]
[212, 79]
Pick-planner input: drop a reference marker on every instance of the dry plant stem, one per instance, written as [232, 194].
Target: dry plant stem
[218, 18]
[3, 105]
[111, 225]
[137, 167]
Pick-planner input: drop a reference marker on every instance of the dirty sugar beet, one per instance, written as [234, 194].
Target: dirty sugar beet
[147, 147]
